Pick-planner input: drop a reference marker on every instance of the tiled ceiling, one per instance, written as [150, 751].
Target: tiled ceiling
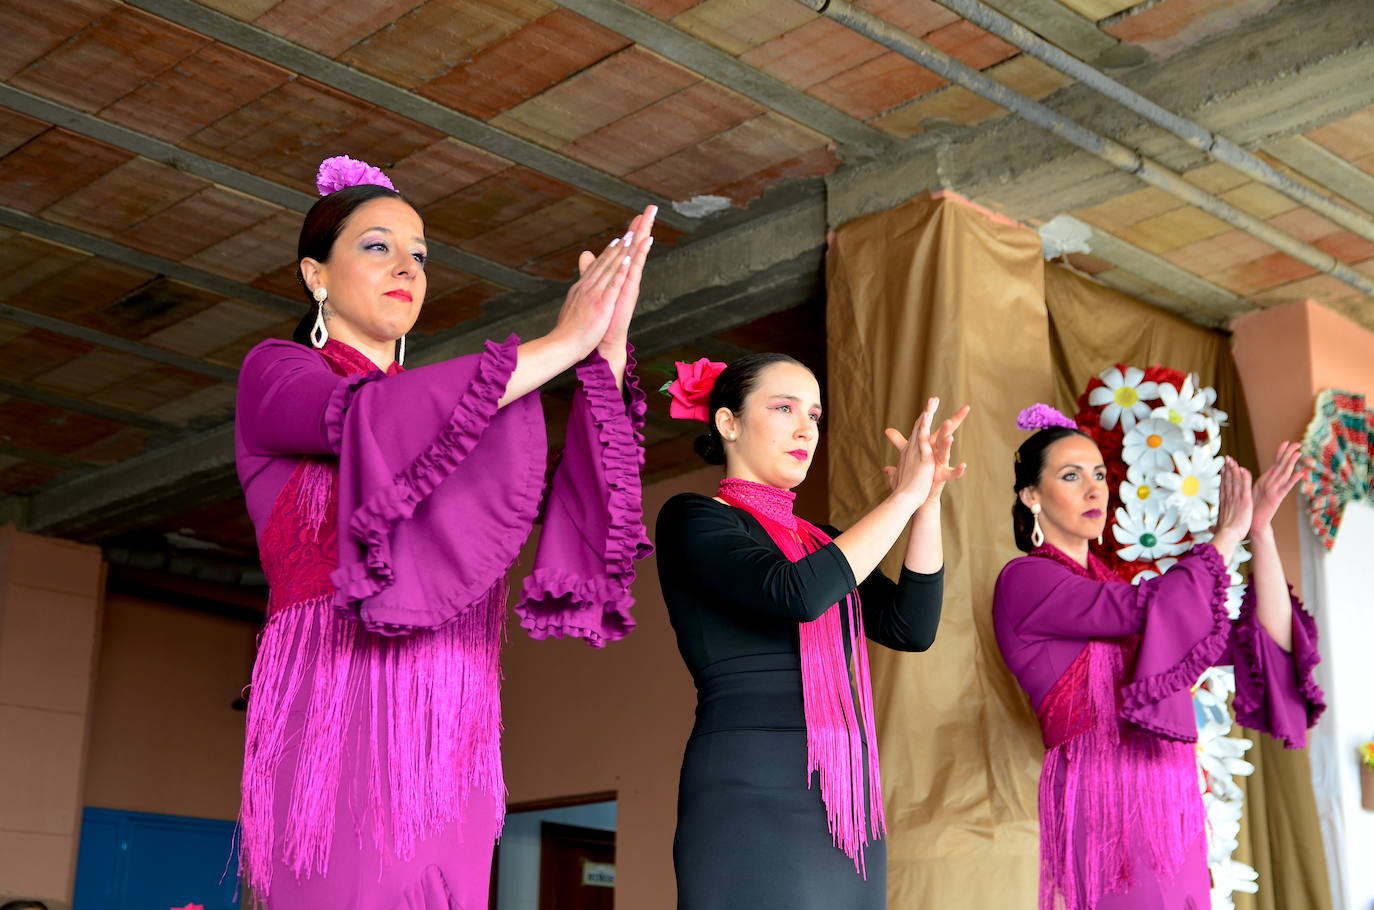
[152, 168]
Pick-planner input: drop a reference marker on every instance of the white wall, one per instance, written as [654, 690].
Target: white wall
[1339, 590]
[517, 878]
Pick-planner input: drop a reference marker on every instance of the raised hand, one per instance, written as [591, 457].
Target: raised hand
[941, 444]
[591, 301]
[1235, 510]
[914, 474]
[638, 241]
[1274, 485]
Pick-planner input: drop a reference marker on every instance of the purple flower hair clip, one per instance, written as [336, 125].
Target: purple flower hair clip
[342, 171]
[1039, 416]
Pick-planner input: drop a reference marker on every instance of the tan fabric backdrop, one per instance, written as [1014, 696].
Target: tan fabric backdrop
[938, 297]
[935, 298]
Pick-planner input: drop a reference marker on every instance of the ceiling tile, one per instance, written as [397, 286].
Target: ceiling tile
[328, 26]
[685, 118]
[438, 35]
[1350, 137]
[487, 205]
[551, 228]
[208, 85]
[614, 88]
[442, 169]
[735, 26]
[267, 245]
[119, 200]
[197, 222]
[16, 129]
[32, 28]
[51, 166]
[970, 44]
[876, 86]
[521, 66]
[816, 51]
[105, 62]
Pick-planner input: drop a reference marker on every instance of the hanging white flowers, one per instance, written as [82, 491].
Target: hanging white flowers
[1167, 430]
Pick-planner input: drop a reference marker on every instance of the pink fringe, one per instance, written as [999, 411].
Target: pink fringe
[1107, 785]
[401, 728]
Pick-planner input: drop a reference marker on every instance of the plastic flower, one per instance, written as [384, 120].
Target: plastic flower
[1184, 407]
[1039, 416]
[1160, 568]
[342, 171]
[1140, 491]
[1194, 488]
[1146, 537]
[1151, 445]
[1124, 395]
[691, 391]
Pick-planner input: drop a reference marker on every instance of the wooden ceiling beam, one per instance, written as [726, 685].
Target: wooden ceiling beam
[235, 179]
[287, 54]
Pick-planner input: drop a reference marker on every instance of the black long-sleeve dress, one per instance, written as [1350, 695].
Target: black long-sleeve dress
[751, 833]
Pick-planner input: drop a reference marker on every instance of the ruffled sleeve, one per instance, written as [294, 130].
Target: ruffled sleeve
[438, 488]
[1185, 631]
[1275, 690]
[593, 515]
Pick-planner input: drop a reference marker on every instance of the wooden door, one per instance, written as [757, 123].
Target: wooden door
[576, 868]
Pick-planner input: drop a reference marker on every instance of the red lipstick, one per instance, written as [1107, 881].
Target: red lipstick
[799, 454]
[1093, 513]
[400, 294]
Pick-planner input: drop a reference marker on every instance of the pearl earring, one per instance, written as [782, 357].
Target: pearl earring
[1037, 535]
[320, 333]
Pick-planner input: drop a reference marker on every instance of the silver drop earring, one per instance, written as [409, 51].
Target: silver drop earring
[401, 351]
[320, 333]
[1037, 535]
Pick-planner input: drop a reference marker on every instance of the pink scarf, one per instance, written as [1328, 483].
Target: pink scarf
[835, 739]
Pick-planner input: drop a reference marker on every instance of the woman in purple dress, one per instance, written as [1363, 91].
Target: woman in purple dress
[389, 506]
[1109, 666]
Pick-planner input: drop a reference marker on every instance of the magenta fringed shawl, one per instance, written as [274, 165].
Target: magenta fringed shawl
[841, 741]
[1106, 782]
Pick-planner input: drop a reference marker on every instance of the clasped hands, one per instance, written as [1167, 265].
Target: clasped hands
[597, 309]
[923, 466]
[1247, 509]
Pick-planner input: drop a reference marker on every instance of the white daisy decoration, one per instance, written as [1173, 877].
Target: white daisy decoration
[1140, 491]
[1184, 407]
[1124, 395]
[1145, 537]
[1151, 444]
[1161, 566]
[1194, 488]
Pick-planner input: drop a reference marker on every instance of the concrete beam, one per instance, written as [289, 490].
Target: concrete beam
[699, 57]
[115, 343]
[81, 406]
[1059, 25]
[266, 46]
[235, 179]
[127, 255]
[1321, 166]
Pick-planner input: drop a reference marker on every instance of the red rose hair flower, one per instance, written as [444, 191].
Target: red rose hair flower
[691, 391]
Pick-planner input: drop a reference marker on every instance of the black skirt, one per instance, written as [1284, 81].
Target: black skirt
[751, 834]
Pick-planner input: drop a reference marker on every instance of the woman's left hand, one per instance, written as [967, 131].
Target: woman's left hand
[612, 345]
[1274, 485]
[941, 444]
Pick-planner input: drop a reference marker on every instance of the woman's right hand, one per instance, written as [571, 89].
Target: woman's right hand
[1235, 509]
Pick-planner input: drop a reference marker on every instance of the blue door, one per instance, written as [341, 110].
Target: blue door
[141, 861]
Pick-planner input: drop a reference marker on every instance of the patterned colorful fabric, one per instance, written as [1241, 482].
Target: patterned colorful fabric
[1338, 443]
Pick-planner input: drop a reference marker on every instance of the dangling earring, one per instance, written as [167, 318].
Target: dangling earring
[1037, 535]
[319, 334]
[1099, 539]
[401, 351]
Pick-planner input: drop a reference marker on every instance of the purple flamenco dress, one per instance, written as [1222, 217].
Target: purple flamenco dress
[1109, 668]
[389, 508]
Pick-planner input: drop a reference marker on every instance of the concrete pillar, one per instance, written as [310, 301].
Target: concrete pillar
[51, 594]
[1285, 356]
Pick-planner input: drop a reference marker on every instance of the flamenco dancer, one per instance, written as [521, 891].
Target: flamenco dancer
[389, 505]
[771, 613]
[1108, 667]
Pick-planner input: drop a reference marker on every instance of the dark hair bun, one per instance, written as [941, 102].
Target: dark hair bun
[708, 446]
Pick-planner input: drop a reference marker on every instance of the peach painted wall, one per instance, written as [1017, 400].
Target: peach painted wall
[1285, 355]
[164, 737]
[50, 604]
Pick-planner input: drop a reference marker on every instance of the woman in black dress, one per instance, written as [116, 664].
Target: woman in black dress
[762, 607]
